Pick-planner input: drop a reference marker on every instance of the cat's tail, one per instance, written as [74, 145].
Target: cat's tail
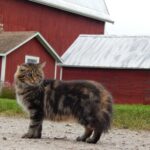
[106, 109]
[105, 112]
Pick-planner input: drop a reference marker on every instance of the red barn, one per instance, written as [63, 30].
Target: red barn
[59, 21]
[120, 63]
[19, 47]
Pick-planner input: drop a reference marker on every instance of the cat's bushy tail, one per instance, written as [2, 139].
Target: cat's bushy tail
[106, 110]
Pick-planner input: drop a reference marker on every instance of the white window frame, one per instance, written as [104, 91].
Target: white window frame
[35, 58]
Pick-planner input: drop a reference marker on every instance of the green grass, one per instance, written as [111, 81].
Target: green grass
[9, 107]
[7, 92]
[132, 116]
[136, 117]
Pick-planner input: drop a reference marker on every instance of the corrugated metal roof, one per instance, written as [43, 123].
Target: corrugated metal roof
[109, 52]
[95, 9]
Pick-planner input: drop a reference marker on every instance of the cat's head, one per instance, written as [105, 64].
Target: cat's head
[30, 74]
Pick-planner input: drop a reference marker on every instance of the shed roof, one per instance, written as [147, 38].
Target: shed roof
[109, 52]
[95, 9]
[10, 41]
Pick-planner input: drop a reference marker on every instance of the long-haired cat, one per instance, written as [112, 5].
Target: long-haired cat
[86, 101]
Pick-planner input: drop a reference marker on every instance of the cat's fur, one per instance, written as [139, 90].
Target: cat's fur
[88, 102]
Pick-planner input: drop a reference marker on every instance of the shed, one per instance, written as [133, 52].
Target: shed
[59, 21]
[120, 63]
[20, 47]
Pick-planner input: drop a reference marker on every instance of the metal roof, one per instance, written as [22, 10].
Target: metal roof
[10, 41]
[95, 9]
[102, 51]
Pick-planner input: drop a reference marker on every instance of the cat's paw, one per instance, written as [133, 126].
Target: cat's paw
[81, 138]
[91, 140]
[30, 136]
[27, 135]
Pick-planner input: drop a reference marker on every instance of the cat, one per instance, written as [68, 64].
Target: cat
[88, 102]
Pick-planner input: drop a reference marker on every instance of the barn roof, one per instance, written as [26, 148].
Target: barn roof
[102, 51]
[10, 41]
[95, 9]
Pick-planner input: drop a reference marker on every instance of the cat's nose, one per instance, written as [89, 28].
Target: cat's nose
[32, 81]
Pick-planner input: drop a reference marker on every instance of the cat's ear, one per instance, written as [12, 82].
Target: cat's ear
[18, 66]
[42, 65]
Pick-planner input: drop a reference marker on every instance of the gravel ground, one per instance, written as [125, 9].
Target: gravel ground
[61, 136]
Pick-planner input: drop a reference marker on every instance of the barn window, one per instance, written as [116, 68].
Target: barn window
[32, 59]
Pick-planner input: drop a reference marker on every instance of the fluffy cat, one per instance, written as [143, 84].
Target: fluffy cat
[88, 102]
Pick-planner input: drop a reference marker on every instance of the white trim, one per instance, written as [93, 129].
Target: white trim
[42, 41]
[22, 43]
[37, 59]
[82, 11]
[101, 67]
[105, 28]
[46, 45]
[3, 69]
[55, 71]
[61, 72]
[2, 55]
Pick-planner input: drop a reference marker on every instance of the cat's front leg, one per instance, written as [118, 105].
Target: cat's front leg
[35, 126]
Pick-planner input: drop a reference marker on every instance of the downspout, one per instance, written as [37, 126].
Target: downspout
[3, 68]
[55, 72]
[61, 72]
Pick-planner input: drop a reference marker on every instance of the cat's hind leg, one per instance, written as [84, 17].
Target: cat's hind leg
[87, 133]
[95, 137]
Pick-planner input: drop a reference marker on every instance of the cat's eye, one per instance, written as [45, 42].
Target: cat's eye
[22, 70]
[29, 74]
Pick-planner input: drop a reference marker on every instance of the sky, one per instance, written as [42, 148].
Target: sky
[132, 17]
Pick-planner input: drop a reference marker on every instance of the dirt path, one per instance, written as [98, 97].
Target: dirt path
[61, 136]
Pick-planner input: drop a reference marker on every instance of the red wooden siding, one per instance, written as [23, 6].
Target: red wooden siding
[33, 48]
[58, 73]
[0, 65]
[126, 86]
[60, 28]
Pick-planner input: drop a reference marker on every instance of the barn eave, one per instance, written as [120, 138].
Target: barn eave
[49, 48]
[100, 16]
[41, 39]
[100, 67]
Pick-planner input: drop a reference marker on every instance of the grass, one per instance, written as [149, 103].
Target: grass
[9, 107]
[132, 116]
[7, 91]
[136, 117]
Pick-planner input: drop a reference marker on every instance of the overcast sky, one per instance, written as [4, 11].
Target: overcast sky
[132, 17]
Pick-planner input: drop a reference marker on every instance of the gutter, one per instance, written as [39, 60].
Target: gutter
[77, 10]
[101, 67]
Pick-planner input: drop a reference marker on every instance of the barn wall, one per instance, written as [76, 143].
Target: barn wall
[60, 28]
[0, 65]
[126, 86]
[33, 48]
